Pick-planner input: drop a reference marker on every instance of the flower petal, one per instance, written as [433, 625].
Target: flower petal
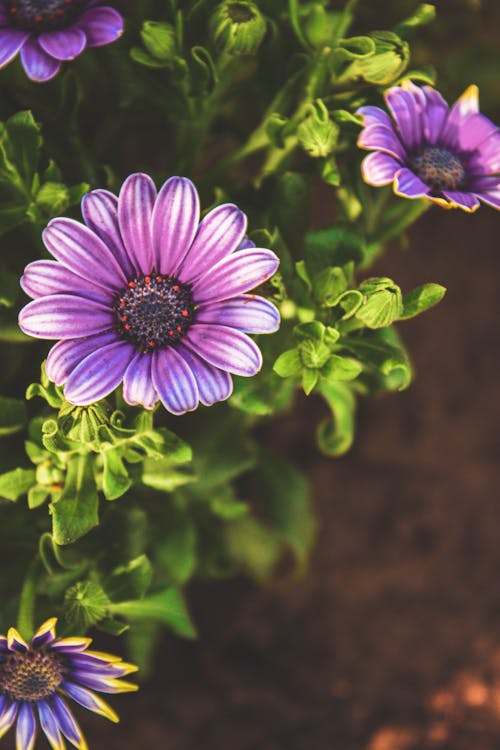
[98, 374]
[408, 185]
[379, 169]
[247, 312]
[66, 355]
[26, 728]
[465, 106]
[71, 645]
[138, 388]
[374, 116]
[67, 723]
[174, 381]
[407, 113]
[380, 138]
[8, 718]
[11, 41]
[102, 683]
[466, 201]
[100, 214]
[491, 197]
[15, 641]
[135, 207]
[88, 700]
[175, 221]
[49, 726]
[39, 66]
[235, 274]
[221, 231]
[64, 316]
[45, 277]
[45, 634]
[435, 114]
[486, 159]
[213, 384]
[64, 44]
[225, 348]
[101, 26]
[80, 250]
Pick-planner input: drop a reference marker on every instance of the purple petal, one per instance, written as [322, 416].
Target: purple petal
[407, 112]
[88, 700]
[174, 381]
[491, 197]
[15, 641]
[247, 312]
[11, 41]
[135, 208]
[486, 160]
[466, 201]
[45, 634]
[80, 250]
[221, 231]
[101, 26]
[49, 725]
[463, 108]
[213, 384]
[39, 66]
[175, 221]
[245, 244]
[379, 169]
[408, 185]
[138, 386]
[100, 214]
[66, 722]
[374, 116]
[8, 718]
[26, 727]
[45, 277]
[66, 355]
[70, 645]
[64, 316]
[235, 274]
[65, 44]
[225, 348]
[435, 114]
[98, 374]
[378, 137]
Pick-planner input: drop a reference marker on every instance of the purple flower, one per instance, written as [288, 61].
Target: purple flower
[147, 295]
[49, 32]
[450, 156]
[36, 679]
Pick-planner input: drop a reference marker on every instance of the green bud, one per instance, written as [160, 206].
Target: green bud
[49, 475]
[319, 26]
[159, 39]
[313, 354]
[238, 28]
[53, 197]
[383, 303]
[85, 604]
[328, 284]
[82, 423]
[318, 133]
[385, 64]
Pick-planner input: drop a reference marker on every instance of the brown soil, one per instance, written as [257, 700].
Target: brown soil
[392, 640]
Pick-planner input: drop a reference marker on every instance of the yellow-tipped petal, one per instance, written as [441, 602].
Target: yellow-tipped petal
[122, 686]
[77, 644]
[468, 103]
[14, 636]
[111, 658]
[104, 709]
[49, 626]
[127, 668]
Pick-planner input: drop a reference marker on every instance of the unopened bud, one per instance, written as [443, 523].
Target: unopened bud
[85, 604]
[238, 28]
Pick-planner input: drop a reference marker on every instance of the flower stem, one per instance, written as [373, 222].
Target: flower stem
[25, 619]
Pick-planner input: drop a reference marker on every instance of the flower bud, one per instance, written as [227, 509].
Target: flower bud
[85, 604]
[318, 133]
[159, 40]
[237, 28]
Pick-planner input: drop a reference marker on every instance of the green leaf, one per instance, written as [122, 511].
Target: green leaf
[309, 380]
[387, 356]
[131, 580]
[340, 369]
[335, 246]
[288, 364]
[25, 140]
[53, 198]
[335, 435]
[285, 495]
[115, 478]
[166, 475]
[421, 299]
[74, 514]
[13, 415]
[425, 13]
[167, 607]
[15, 483]
[252, 546]
[37, 495]
[226, 506]
[328, 284]
[176, 552]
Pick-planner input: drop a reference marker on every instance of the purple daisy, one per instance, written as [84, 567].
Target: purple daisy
[147, 295]
[36, 679]
[49, 32]
[450, 156]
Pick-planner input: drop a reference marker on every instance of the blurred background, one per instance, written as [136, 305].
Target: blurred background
[391, 641]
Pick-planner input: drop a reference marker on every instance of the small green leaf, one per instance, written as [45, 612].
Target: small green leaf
[288, 364]
[335, 435]
[115, 478]
[167, 607]
[15, 483]
[309, 380]
[130, 580]
[328, 284]
[340, 369]
[74, 514]
[13, 415]
[421, 299]
[425, 13]
[25, 140]
[176, 552]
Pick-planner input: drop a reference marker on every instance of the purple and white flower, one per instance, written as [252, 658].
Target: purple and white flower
[427, 150]
[37, 678]
[49, 32]
[147, 294]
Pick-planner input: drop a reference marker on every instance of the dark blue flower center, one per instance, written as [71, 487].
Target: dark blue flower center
[31, 675]
[43, 15]
[439, 168]
[154, 311]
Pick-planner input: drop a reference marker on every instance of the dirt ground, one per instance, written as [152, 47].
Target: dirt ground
[392, 640]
